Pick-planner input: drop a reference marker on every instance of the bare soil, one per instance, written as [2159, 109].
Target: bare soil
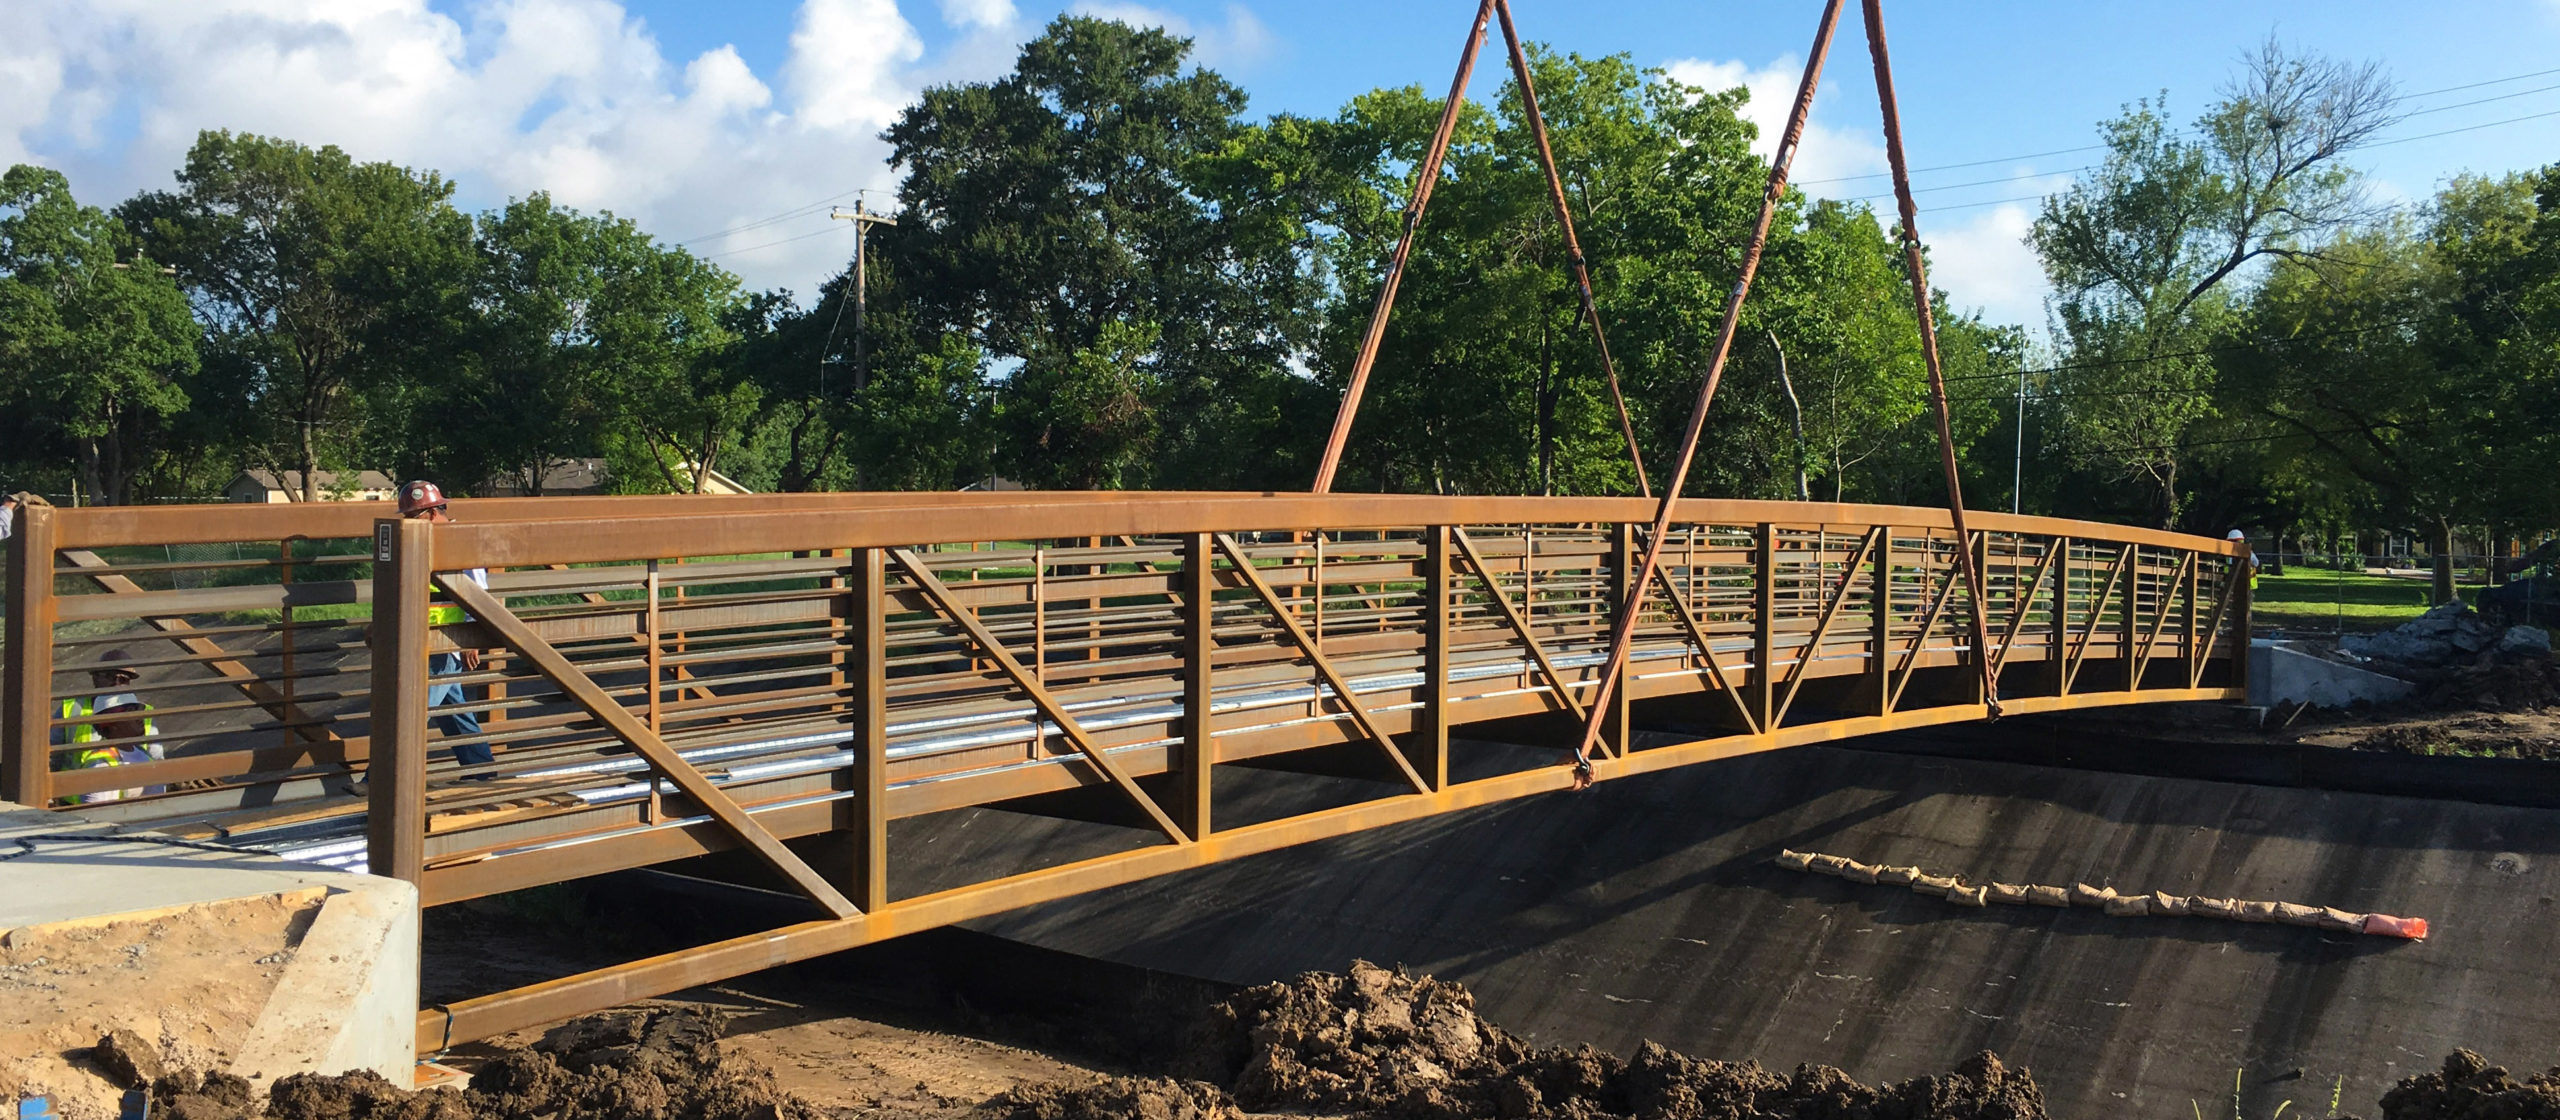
[179, 984]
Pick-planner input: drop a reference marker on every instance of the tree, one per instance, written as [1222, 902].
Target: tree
[322, 283]
[1050, 211]
[96, 344]
[2145, 251]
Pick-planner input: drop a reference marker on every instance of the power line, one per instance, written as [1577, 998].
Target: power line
[768, 244]
[2098, 147]
[794, 212]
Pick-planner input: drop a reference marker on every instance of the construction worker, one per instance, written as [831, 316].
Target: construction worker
[2243, 538]
[421, 500]
[109, 677]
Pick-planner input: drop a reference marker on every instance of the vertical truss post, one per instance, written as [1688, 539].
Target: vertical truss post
[1880, 634]
[27, 776]
[1189, 797]
[1438, 581]
[868, 642]
[396, 774]
[1764, 629]
[2060, 654]
[1619, 731]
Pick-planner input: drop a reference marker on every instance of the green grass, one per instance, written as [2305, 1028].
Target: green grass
[2307, 600]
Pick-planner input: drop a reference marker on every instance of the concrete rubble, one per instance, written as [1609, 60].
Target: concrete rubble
[2449, 657]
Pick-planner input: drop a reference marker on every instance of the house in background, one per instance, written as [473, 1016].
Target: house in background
[265, 486]
[562, 478]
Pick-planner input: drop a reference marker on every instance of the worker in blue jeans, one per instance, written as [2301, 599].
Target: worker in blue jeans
[424, 501]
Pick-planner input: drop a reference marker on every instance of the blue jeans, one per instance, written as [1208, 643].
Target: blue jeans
[454, 723]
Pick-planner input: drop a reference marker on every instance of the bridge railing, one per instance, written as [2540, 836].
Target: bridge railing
[997, 647]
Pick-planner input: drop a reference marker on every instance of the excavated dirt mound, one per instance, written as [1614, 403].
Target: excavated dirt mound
[2469, 1088]
[1371, 1043]
[1117, 1098]
[1383, 1044]
[659, 1064]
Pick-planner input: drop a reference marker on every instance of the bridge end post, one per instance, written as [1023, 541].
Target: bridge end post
[396, 775]
[26, 739]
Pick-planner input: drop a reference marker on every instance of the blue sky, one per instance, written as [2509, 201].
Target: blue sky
[732, 126]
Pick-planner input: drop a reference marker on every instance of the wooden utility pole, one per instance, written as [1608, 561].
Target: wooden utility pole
[862, 220]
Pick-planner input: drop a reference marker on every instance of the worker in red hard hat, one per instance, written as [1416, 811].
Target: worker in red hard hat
[421, 500]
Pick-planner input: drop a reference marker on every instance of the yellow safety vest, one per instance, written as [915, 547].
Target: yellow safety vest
[95, 757]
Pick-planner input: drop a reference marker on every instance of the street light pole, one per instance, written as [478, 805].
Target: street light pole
[2018, 464]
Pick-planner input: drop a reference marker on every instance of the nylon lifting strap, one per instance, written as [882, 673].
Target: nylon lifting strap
[1427, 177]
[1623, 637]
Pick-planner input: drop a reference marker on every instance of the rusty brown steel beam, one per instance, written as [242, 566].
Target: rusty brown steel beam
[1572, 244]
[26, 738]
[516, 544]
[583, 690]
[1425, 178]
[1915, 262]
[1622, 642]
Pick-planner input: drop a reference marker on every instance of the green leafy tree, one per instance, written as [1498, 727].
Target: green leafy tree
[1049, 210]
[2145, 253]
[97, 346]
[324, 284]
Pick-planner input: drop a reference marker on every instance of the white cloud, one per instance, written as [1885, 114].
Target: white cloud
[1978, 254]
[979, 13]
[575, 97]
[1827, 151]
[1984, 264]
[1237, 43]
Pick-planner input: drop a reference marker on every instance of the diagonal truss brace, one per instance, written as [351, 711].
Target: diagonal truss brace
[1706, 650]
[1920, 639]
[1822, 629]
[2019, 603]
[1324, 667]
[1519, 625]
[2160, 621]
[2098, 610]
[584, 691]
[1048, 704]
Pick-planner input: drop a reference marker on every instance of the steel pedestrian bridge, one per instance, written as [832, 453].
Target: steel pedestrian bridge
[778, 678]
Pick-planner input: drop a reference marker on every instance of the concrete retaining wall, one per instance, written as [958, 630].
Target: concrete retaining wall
[222, 960]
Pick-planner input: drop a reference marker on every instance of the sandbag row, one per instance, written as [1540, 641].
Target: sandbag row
[2114, 903]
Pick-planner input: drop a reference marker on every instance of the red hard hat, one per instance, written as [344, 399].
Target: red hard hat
[418, 495]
